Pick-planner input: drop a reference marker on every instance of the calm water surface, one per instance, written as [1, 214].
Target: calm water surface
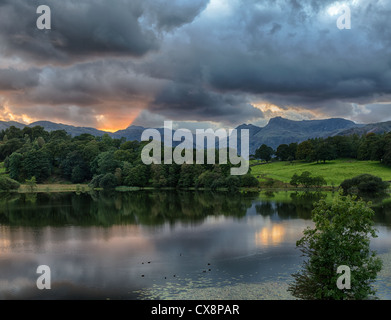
[160, 245]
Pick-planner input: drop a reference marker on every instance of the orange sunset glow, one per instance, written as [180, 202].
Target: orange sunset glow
[270, 235]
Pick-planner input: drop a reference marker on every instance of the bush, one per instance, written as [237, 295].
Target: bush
[233, 183]
[307, 181]
[208, 179]
[108, 181]
[364, 183]
[96, 181]
[249, 181]
[7, 184]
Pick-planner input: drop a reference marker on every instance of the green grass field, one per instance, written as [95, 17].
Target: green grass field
[334, 171]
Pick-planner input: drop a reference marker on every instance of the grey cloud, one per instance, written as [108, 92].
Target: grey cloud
[81, 29]
[14, 80]
[89, 84]
[89, 29]
[193, 102]
[186, 65]
[175, 13]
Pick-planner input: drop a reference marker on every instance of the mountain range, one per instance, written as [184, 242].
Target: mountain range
[276, 132]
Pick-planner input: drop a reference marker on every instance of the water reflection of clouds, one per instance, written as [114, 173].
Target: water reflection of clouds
[273, 235]
[78, 257]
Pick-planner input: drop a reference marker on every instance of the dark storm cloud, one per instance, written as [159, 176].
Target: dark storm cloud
[319, 62]
[13, 80]
[79, 29]
[81, 84]
[89, 28]
[178, 101]
[175, 13]
[200, 59]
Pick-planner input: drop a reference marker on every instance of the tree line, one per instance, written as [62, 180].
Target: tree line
[375, 147]
[104, 162]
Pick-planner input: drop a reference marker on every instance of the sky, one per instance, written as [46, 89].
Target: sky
[221, 63]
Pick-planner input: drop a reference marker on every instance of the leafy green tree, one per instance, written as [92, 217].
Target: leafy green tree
[59, 135]
[36, 163]
[305, 151]
[90, 151]
[31, 183]
[7, 184]
[15, 166]
[294, 180]
[137, 176]
[371, 148]
[282, 152]
[365, 184]
[74, 168]
[324, 151]
[9, 147]
[108, 181]
[307, 180]
[79, 174]
[341, 237]
[286, 152]
[386, 159]
[94, 183]
[249, 180]
[264, 152]
[207, 179]
[233, 183]
[105, 162]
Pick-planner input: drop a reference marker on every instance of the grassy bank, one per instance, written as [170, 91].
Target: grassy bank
[54, 188]
[334, 171]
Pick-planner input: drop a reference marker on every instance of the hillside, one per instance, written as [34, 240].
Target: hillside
[369, 128]
[280, 130]
[334, 171]
[276, 132]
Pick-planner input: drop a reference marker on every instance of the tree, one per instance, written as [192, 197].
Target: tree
[32, 183]
[137, 176]
[108, 181]
[15, 166]
[264, 153]
[282, 152]
[305, 151]
[9, 147]
[365, 184]
[324, 151]
[233, 183]
[307, 180]
[105, 163]
[294, 180]
[7, 184]
[341, 237]
[36, 163]
[248, 180]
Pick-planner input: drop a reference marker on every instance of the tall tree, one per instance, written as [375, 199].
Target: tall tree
[341, 237]
[305, 151]
[264, 152]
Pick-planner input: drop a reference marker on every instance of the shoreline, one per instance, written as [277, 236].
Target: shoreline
[59, 188]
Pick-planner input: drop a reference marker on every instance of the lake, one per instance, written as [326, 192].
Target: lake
[160, 245]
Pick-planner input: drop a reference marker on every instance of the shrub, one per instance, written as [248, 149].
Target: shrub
[364, 183]
[307, 180]
[249, 180]
[7, 184]
[108, 181]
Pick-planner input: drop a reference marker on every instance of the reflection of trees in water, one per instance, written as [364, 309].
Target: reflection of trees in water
[382, 208]
[106, 209]
[284, 210]
[153, 208]
[300, 206]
